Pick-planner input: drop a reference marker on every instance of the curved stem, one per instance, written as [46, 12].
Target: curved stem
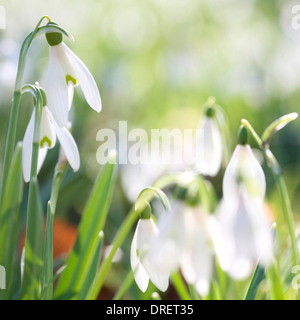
[34, 233]
[12, 126]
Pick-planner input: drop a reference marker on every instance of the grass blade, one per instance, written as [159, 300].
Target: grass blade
[85, 248]
[9, 219]
[47, 274]
[33, 244]
[93, 268]
[259, 275]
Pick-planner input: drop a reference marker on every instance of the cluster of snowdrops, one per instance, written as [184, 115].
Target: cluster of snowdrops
[192, 234]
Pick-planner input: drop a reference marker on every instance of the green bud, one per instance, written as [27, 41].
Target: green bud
[146, 213]
[243, 136]
[53, 38]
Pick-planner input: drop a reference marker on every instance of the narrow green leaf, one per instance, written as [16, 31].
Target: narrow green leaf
[93, 268]
[85, 248]
[9, 219]
[47, 274]
[258, 276]
[277, 125]
[33, 244]
[276, 286]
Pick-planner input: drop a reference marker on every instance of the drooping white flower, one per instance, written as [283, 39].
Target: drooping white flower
[141, 263]
[49, 130]
[168, 245]
[66, 71]
[244, 168]
[243, 236]
[183, 242]
[197, 258]
[209, 148]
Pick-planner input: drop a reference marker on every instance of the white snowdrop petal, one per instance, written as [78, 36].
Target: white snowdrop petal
[202, 286]
[140, 275]
[86, 80]
[202, 254]
[244, 237]
[209, 148]
[57, 89]
[47, 132]
[70, 95]
[187, 267]
[243, 167]
[27, 148]
[41, 158]
[160, 278]
[68, 144]
[168, 245]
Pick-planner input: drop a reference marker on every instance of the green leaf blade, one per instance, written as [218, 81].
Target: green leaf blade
[9, 219]
[87, 242]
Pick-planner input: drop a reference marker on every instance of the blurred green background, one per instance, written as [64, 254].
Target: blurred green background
[156, 62]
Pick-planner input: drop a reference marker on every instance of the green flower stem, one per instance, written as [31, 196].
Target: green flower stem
[285, 200]
[288, 214]
[33, 245]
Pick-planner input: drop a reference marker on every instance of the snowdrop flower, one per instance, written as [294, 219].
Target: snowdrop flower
[197, 258]
[168, 245]
[243, 236]
[183, 242]
[141, 263]
[244, 167]
[209, 148]
[66, 71]
[49, 131]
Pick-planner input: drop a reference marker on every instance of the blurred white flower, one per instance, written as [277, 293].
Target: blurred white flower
[244, 168]
[209, 148]
[49, 130]
[242, 236]
[141, 263]
[183, 242]
[168, 245]
[66, 71]
[197, 258]
[136, 177]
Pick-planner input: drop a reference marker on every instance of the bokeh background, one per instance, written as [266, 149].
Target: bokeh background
[156, 62]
